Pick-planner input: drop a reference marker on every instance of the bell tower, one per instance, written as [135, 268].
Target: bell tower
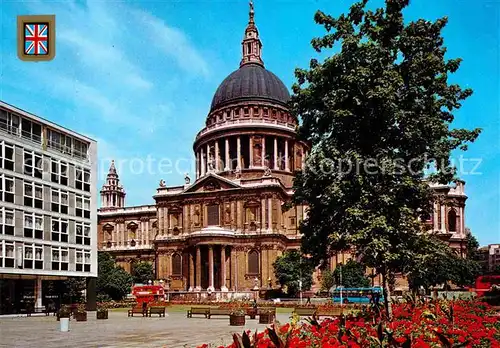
[112, 192]
[251, 45]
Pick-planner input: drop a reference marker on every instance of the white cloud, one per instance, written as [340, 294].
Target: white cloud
[173, 43]
[105, 64]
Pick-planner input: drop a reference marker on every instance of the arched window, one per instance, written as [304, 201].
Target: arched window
[452, 221]
[253, 262]
[176, 265]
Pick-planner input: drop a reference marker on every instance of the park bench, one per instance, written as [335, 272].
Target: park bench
[218, 311]
[304, 311]
[157, 310]
[198, 310]
[137, 310]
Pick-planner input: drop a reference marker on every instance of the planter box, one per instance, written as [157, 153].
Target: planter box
[59, 318]
[252, 312]
[237, 320]
[266, 318]
[102, 314]
[81, 316]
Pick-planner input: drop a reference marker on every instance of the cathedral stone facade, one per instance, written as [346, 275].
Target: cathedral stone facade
[223, 229]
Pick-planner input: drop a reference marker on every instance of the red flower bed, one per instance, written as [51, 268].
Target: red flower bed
[436, 324]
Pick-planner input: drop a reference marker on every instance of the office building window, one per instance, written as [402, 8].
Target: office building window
[59, 172]
[82, 179]
[6, 188]
[31, 130]
[33, 164]
[60, 259]
[59, 200]
[33, 195]
[82, 233]
[82, 261]
[7, 221]
[33, 256]
[59, 230]
[9, 122]
[33, 225]
[82, 205]
[8, 254]
[6, 156]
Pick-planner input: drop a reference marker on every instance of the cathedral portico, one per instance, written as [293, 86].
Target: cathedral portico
[223, 230]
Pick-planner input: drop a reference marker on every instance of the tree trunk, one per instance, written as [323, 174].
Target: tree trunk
[387, 294]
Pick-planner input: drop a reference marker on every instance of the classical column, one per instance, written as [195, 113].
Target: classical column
[191, 271]
[435, 216]
[217, 156]
[276, 153]
[263, 157]
[114, 231]
[263, 214]
[147, 231]
[202, 166]
[443, 224]
[303, 158]
[238, 150]
[269, 214]
[223, 286]
[198, 269]
[287, 168]
[166, 221]
[226, 165]
[462, 221]
[211, 268]
[197, 164]
[208, 158]
[250, 146]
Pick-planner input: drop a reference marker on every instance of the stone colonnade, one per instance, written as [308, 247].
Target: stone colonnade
[250, 152]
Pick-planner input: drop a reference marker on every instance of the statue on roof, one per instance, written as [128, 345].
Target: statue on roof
[162, 183]
[187, 179]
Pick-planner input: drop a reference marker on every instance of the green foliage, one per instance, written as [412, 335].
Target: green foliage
[291, 267]
[353, 275]
[142, 272]
[438, 264]
[112, 281]
[472, 245]
[378, 116]
[72, 290]
[327, 280]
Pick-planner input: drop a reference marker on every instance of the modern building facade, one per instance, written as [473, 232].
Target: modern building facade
[224, 229]
[489, 257]
[48, 209]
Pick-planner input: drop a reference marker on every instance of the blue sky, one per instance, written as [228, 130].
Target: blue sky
[139, 77]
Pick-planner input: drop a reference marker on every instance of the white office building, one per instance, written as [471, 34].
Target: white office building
[48, 212]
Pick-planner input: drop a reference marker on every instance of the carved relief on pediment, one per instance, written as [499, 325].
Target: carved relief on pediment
[132, 226]
[211, 186]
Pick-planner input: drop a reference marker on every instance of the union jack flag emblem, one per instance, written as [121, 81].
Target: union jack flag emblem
[36, 39]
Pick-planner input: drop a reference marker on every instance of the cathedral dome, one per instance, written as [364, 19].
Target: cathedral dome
[250, 81]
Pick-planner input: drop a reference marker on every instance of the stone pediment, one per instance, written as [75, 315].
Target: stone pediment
[211, 182]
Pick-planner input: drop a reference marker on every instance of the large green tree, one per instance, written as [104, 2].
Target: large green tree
[351, 275]
[437, 264]
[291, 268]
[142, 272]
[113, 282]
[378, 116]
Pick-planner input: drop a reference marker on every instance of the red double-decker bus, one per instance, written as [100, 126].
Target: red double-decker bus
[485, 283]
[148, 293]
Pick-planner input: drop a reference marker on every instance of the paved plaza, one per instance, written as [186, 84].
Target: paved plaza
[173, 331]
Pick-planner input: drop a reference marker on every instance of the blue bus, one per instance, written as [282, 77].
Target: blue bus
[358, 295]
